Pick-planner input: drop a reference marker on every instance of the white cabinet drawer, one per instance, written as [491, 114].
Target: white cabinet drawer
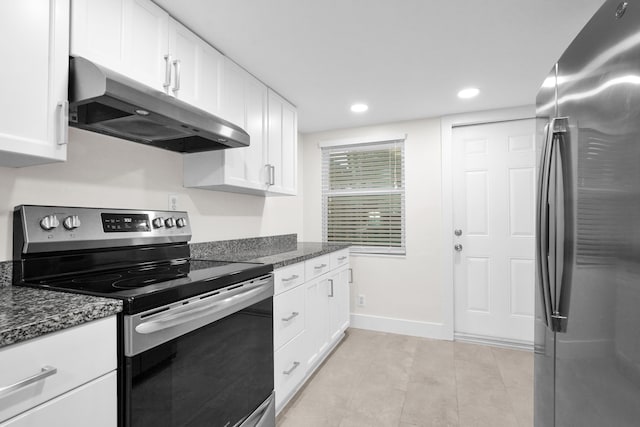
[289, 316]
[290, 368]
[94, 404]
[339, 258]
[288, 277]
[79, 354]
[317, 266]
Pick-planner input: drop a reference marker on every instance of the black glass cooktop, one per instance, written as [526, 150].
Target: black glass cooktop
[146, 286]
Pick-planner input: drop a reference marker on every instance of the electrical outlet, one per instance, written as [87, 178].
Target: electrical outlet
[361, 300]
[173, 202]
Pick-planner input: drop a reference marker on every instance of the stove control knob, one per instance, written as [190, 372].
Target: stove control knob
[158, 222]
[71, 222]
[181, 222]
[170, 222]
[49, 222]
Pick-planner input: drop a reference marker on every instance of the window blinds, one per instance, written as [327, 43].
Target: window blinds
[363, 196]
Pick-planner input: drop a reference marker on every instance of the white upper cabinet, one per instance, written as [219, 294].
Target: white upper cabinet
[138, 39]
[195, 68]
[269, 165]
[283, 146]
[35, 50]
[129, 37]
[241, 170]
[144, 42]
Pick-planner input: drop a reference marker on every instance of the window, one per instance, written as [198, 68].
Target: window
[363, 196]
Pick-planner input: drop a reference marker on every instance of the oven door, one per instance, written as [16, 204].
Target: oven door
[220, 373]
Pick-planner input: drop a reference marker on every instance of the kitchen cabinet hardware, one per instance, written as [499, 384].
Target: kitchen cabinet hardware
[272, 175]
[167, 73]
[293, 368]
[63, 122]
[318, 267]
[288, 279]
[458, 247]
[331, 287]
[458, 232]
[351, 275]
[342, 258]
[294, 314]
[45, 372]
[176, 65]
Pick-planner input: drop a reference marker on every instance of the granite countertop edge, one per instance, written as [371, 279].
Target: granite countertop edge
[280, 257]
[27, 313]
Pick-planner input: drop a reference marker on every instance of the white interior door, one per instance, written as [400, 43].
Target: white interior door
[494, 181]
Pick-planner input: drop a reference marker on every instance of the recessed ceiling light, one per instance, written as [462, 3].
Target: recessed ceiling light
[469, 92]
[359, 108]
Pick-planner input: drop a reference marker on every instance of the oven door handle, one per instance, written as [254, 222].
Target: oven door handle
[195, 311]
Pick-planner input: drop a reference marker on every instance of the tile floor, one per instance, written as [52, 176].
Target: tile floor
[376, 379]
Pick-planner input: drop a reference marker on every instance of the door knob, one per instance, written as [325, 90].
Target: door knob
[457, 232]
[458, 247]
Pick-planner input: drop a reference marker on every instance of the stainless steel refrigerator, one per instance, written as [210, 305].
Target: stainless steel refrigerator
[587, 334]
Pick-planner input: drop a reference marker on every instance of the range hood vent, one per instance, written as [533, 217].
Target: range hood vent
[101, 100]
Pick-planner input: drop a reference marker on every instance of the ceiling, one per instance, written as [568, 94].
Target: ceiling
[406, 59]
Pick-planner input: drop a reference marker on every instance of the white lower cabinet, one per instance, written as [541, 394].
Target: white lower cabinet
[338, 302]
[76, 366]
[317, 303]
[290, 369]
[76, 408]
[311, 313]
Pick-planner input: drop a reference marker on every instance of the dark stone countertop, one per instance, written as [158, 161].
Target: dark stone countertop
[278, 256]
[27, 313]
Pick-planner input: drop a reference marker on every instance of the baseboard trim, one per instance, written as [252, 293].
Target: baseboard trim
[399, 326]
[493, 341]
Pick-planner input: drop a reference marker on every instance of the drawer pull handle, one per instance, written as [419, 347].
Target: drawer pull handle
[342, 258]
[294, 277]
[46, 371]
[294, 314]
[293, 368]
[318, 267]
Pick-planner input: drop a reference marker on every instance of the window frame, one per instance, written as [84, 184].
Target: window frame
[363, 145]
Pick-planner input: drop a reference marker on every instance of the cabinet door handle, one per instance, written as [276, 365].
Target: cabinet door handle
[167, 73]
[293, 368]
[331, 287]
[63, 123]
[351, 275]
[318, 267]
[272, 174]
[176, 65]
[293, 277]
[294, 314]
[45, 372]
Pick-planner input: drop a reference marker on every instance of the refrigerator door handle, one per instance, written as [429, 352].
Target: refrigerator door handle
[543, 224]
[559, 154]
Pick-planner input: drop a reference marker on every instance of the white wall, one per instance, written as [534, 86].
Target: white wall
[402, 293]
[107, 172]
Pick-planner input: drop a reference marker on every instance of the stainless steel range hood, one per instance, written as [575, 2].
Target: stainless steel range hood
[101, 100]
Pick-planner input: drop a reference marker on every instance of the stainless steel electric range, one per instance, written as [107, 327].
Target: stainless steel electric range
[195, 336]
